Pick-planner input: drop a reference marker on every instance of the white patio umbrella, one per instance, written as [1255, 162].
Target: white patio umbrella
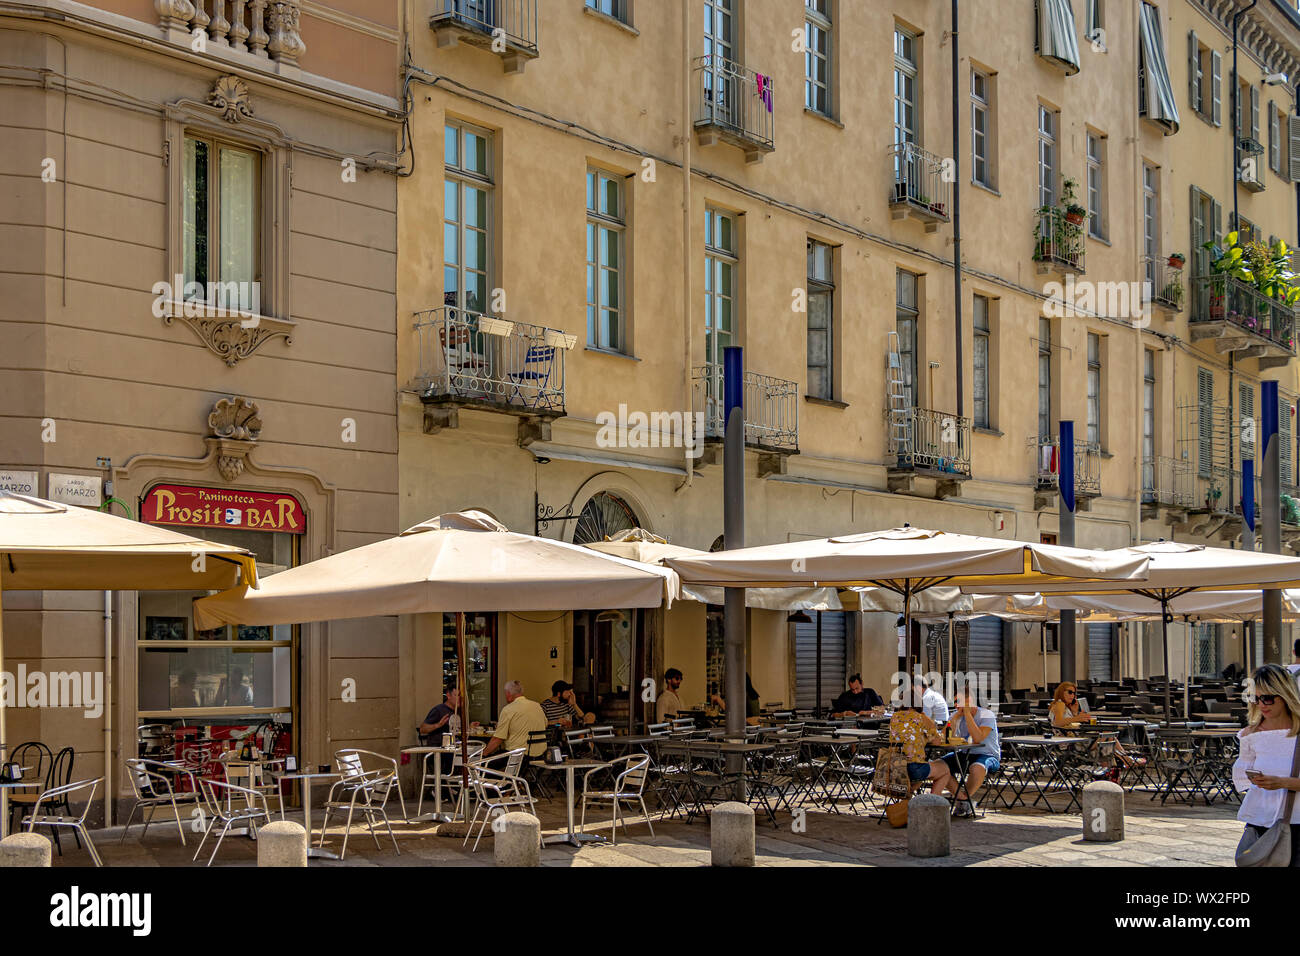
[46, 546]
[907, 561]
[1176, 569]
[458, 562]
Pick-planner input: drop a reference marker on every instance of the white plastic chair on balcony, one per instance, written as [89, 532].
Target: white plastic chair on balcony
[153, 790]
[497, 792]
[57, 795]
[629, 788]
[222, 800]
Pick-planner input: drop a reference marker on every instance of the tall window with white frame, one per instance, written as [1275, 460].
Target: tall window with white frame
[721, 259]
[817, 56]
[222, 191]
[1094, 389]
[821, 320]
[718, 55]
[906, 170]
[981, 128]
[1148, 421]
[982, 358]
[906, 317]
[1044, 379]
[1150, 224]
[606, 266]
[1047, 157]
[467, 217]
[1096, 145]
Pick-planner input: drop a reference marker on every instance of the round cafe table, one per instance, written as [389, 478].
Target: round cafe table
[569, 766]
[5, 787]
[423, 752]
[307, 776]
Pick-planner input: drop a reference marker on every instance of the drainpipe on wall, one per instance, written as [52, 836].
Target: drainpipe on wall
[108, 708]
[956, 210]
[687, 344]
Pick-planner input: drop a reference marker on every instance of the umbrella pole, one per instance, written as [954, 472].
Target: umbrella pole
[4, 745]
[461, 671]
[1187, 668]
[1164, 641]
[907, 625]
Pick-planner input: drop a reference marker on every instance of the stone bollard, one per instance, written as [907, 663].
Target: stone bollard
[282, 843]
[731, 835]
[25, 849]
[517, 840]
[929, 826]
[1103, 812]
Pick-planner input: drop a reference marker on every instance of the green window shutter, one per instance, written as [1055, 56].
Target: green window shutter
[1254, 113]
[1293, 146]
[1193, 88]
[1216, 86]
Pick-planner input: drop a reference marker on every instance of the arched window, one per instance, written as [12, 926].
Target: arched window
[602, 516]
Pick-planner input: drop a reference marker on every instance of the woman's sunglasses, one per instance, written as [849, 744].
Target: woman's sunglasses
[1269, 699]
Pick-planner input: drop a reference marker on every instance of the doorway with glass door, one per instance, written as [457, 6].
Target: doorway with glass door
[610, 664]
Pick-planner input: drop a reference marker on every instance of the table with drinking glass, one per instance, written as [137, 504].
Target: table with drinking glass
[5, 787]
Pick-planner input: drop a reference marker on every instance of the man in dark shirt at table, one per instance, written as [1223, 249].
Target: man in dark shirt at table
[439, 722]
[857, 699]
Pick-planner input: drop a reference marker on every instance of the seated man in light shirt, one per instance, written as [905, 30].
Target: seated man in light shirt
[981, 725]
[519, 716]
[669, 703]
[932, 703]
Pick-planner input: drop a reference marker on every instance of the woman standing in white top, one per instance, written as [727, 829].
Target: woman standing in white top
[1268, 747]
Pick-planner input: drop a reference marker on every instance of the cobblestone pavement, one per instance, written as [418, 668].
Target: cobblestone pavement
[1175, 835]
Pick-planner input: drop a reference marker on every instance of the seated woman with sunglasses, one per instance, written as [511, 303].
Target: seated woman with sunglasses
[1268, 748]
[1066, 712]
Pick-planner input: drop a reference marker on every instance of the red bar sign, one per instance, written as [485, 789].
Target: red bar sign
[223, 508]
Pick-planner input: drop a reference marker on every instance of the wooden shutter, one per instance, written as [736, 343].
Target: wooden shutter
[1204, 422]
[1254, 113]
[1199, 257]
[1293, 145]
[1216, 84]
[1193, 61]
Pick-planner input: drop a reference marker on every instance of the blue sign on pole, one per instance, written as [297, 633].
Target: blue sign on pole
[1267, 416]
[1248, 492]
[733, 373]
[1065, 470]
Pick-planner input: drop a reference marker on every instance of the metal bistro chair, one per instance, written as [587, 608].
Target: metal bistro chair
[39, 761]
[498, 791]
[363, 791]
[536, 778]
[60, 796]
[152, 790]
[535, 376]
[580, 744]
[355, 758]
[774, 780]
[219, 797]
[629, 788]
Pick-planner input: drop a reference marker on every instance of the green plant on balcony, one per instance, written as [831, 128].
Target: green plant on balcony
[1172, 293]
[1290, 510]
[1266, 268]
[1058, 230]
[1075, 214]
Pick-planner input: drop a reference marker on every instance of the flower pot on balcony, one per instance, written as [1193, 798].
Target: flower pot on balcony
[938, 209]
[1043, 250]
[1177, 261]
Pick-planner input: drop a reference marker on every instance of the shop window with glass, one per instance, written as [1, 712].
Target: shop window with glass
[480, 663]
[214, 686]
[467, 212]
[222, 253]
[606, 231]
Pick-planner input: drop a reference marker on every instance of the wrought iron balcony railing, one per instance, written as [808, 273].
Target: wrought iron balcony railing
[1167, 481]
[466, 358]
[1162, 283]
[919, 186]
[1047, 465]
[1236, 305]
[734, 103]
[931, 441]
[771, 409]
[512, 22]
[1058, 239]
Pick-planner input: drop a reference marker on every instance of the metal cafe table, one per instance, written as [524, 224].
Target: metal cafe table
[422, 753]
[958, 746]
[569, 765]
[307, 776]
[1043, 754]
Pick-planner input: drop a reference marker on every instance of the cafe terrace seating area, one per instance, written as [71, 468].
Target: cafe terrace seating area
[602, 784]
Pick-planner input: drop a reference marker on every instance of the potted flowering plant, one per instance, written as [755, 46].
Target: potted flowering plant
[1177, 260]
[1075, 214]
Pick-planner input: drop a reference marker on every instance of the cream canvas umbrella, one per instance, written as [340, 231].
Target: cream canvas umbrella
[907, 561]
[458, 562]
[646, 547]
[46, 546]
[1176, 569]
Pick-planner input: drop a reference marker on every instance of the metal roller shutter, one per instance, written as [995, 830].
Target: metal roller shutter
[835, 675]
[984, 649]
[1100, 639]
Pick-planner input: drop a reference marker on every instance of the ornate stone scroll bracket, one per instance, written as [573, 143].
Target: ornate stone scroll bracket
[232, 337]
[234, 425]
